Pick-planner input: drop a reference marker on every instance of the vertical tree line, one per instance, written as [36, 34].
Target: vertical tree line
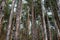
[2, 4]
[18, 19]
[28, 14]
[10, 21]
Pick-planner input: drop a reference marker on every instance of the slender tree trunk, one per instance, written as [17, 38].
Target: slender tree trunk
[58, 3]
[54, 8]
[34, 31]
[28, 23]
[56, 27]
[43, 20]
[18, 19]
[57, 30]
[49, 28]
[28, 20]
[50, 34]
[55, 13]
[0, 25]
[38, 32]
[10, 21]
[41, 17]
[41, 26]
[12, 35]
[1, 13]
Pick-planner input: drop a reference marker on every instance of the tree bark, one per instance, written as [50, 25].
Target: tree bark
[34, 31]
[10, 21]
[1, 13]
[43, 20]
[54, 7]
[48, 27]
[18, 19]
[28, 23]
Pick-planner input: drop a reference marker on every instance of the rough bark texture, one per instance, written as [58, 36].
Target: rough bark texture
[18, 19]
[55, 13]
[48, 27]
[54, 8]
[10, 21]
[34, 31]
[1, 13]
[43, 20]
[28, 23]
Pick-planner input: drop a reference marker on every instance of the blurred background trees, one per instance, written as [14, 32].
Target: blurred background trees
[29, 20]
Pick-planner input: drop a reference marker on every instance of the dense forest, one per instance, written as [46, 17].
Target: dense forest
[29, 19]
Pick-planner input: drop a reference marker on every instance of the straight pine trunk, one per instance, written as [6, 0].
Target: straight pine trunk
[28, 23]
[57, 30]
[55, 13]
[34, 31]
[56, 27]
[54, 8]
[18, 19]
[1, 13]
[43, 20]
[41, 26]
[12, 34]
[49, 27]
[10, 21]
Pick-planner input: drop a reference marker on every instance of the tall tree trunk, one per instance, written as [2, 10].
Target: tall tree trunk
[38, 32]
[54, 8]
[34, 31]
[57, 29]
[10, 20]
[43, 20]
[18, 19]
[12, 35]
[41, 17]
[1, 13]
[28, 23]
[55, 13]
[48, 27]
